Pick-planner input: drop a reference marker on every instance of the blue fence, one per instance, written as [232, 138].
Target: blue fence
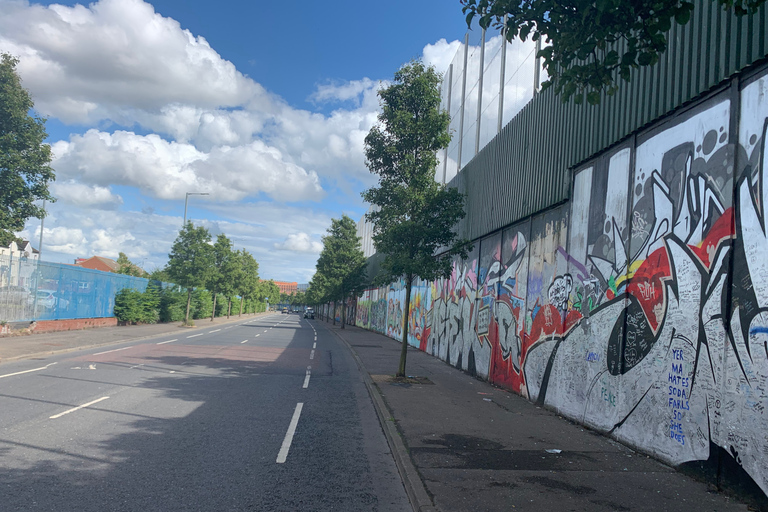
[32, 290]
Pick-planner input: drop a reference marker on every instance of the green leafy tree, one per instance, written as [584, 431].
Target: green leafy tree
[590, 44]
[127, 267]
[248, 287]
[222, 256]
[415, 216]
[190, 260]
[232, 273]
[342, 262]
[24, 158]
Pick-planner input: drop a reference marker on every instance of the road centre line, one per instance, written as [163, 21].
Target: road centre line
[77, 408]
[306, 380]
[108, 351]
[243, 341]
[257, 335]
[26, 371]
[196, 335]
[312, 354]
[266, 330]
[213, 331]
[314, 345]
[169, 341]
[283, 453]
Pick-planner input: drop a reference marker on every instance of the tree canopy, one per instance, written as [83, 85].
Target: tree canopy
[24, 157]
[191, 260]
[341, 262]
[591, 44]
[414, 221]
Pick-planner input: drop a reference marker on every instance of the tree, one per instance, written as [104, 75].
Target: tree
[415, 216]
[126, 267]
[222, 255]
[190, 260]
[342, 262]
[24, 158]
[592, 43]
[248, 284]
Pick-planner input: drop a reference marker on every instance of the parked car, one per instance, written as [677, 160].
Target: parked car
[309, 313]
[48, 299]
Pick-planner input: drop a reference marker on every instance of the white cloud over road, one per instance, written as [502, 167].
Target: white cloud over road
[168, 115]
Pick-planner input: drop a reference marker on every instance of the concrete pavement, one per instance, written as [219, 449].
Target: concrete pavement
[462, 445]
[477, 447]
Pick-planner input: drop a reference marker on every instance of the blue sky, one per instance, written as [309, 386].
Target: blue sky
[262, 105]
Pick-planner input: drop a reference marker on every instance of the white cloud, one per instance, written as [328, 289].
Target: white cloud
[84, 195]
[440, 54]
[167, 170]
[343, 91]
[88, 63]
[300, 242]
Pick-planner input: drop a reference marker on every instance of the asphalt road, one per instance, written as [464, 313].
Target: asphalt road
[268, 414]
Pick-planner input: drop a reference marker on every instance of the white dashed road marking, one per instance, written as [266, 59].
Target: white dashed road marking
[169, 341]
[283, 454]
[77, 408]
[108, 351]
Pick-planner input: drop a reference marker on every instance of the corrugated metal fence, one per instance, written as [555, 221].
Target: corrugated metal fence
[526, 167]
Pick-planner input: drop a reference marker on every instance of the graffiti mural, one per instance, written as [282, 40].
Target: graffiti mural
[641, 307]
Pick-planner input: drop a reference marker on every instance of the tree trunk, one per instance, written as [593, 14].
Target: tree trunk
[333, 312]
[229, 307]
[343, 313]
[189, 301]
[404, 349]
[213, 313]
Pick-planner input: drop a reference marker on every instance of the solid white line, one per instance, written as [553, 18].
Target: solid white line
[306, 380]
[26, 371]
[314, 345]
[196, 335]
[243, 341]
[213, 331]
[169, 341]
[108, 351]
[283, 454]
[312, 355]
[77, 408]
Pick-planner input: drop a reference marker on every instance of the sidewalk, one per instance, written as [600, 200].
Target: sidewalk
[20, 347]
[479, 448]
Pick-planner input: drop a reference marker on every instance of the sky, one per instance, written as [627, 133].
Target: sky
[263, 106]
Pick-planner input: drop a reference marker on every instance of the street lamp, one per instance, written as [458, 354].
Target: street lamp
[186, 201]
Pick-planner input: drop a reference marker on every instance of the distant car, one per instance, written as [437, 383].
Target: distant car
[285, 310]
[309, 313]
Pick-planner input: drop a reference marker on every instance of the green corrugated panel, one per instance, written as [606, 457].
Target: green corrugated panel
[526, 167]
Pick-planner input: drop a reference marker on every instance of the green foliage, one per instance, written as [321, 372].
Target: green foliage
[126, 267]
[24, 157]
[190, 262]
[341, 265]
[135, 307]
[202, 303]
[415, 217]
[591, 44]
[172, 305]
[248, 285]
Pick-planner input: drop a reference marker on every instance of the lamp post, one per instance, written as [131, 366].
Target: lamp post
[186, 201]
